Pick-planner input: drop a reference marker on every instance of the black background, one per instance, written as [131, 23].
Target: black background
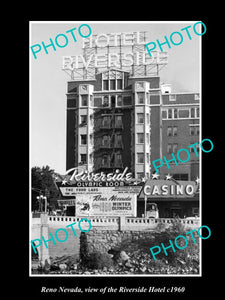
[212, 170]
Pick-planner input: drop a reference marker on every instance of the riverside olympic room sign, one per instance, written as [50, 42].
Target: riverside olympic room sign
[112, 194]
[115, 194]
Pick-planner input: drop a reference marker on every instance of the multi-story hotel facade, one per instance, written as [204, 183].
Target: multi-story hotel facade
[118, 121]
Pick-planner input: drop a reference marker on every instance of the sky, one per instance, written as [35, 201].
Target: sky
[48, 82]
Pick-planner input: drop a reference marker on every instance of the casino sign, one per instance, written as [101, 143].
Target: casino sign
[169, 188]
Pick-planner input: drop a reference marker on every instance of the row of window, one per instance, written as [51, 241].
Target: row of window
[118, 158]
[106, 101]
[172, 130]
[112, 84]
[176, 113]
[172, 97]
[173, 148]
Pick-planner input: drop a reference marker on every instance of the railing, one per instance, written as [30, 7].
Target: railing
[124, 223]
[132, 220]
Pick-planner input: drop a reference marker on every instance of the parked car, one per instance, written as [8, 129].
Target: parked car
[57, 212]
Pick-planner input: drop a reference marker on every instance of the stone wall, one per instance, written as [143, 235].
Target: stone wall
[99, 240]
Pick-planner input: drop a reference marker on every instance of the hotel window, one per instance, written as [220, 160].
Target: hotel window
[197, 130]
[141, 98]
[83, 119]
[91, 139]
[83, 139]
[175, 148]
[118, 140]
[105, 85]
[140, 138]
[192, 112]
[83, 158]
[118, 122]
[140, 175]
[84, 100]
[106, 121]
[174, 130]
[119, 101]
[112, 84]
[106, 140]
[140, 158]
[175, 113]
[192, 130]
[197, 112]
[119, 84]
[140, 118]
[105, 160]
[197, 97]
[183, 113]
[170, 113]
[118, 158]
[169, 148]
[192, 150]
[169, 131]
[172, 97]
[164, 114]
[106, 101]
[91, 120]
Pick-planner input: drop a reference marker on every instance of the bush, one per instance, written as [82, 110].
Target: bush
[98, 260]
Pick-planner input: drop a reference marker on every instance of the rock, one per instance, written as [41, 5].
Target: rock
[62, 267]
[128, 264]
[143, 269]
[124, 256]
[87, 273]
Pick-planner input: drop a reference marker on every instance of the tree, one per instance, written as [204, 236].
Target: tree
[42, 182]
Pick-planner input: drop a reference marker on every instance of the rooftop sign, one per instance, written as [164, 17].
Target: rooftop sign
[119, 50]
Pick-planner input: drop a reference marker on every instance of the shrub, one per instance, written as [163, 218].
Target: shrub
[98, 260]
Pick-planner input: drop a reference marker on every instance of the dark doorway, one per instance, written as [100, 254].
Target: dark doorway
[70, 211]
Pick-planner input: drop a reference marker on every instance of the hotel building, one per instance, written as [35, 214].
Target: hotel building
[117, 120]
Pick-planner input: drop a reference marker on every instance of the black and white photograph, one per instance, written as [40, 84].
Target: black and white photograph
[116, 149]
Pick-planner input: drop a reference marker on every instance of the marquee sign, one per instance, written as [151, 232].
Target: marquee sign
[99, 201]
[106, 204]
[101, 194]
